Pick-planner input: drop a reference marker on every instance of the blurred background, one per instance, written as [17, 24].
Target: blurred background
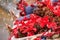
[5, 17]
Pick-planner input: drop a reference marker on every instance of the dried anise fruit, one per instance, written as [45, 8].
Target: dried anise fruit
[37, 26]
[57, 20]
[20, 34]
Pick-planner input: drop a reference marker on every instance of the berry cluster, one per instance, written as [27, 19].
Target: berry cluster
[42, 20]
[34, 25]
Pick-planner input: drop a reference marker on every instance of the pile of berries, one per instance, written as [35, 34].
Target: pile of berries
[34, 25]
[42, 20]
